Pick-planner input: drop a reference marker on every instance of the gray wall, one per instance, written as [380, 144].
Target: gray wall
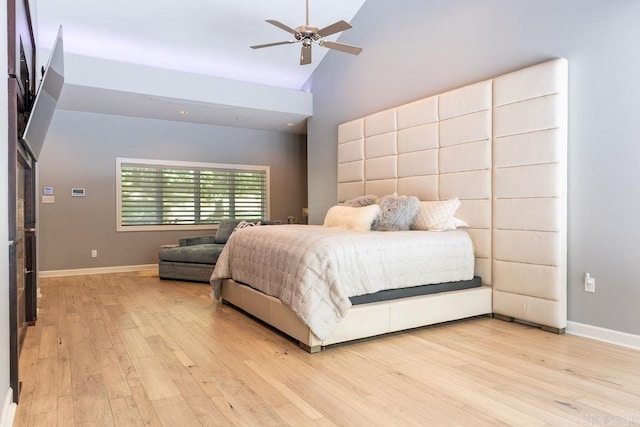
[81, 149]
[417, 48]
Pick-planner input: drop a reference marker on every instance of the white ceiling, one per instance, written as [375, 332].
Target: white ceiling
[209, 37]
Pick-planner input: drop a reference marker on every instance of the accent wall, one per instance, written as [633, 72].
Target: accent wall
[417, 48]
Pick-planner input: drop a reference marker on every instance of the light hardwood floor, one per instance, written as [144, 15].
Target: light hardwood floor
[128, 349]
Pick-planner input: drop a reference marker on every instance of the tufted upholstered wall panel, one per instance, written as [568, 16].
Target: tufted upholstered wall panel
[435, 148]
[530, 194]
[500, 147]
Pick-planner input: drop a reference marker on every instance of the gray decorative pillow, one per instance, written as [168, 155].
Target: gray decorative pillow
[396, 213]
[361, 201]
[225, 228]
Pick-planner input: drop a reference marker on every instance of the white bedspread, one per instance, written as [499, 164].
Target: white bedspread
[314, 270]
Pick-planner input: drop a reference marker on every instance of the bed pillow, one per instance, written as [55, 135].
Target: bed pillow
[225, 228]
[436, 215]
[396, 213]
[454, 223]
[228, 226]
[245, 224]
[359, 219]
[361, 201]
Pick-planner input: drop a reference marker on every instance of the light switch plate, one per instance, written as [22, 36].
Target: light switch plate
[48, 199]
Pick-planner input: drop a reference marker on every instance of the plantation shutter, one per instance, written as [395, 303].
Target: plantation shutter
[175, 195]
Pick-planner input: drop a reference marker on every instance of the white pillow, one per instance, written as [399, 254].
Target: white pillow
[436, 215]
[454, 223]
[245, 224]
[359, 219]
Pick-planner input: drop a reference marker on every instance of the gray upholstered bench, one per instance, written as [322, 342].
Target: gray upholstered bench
[195, 257]
[195, 262]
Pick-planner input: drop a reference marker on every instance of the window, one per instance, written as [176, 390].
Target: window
[160, 195]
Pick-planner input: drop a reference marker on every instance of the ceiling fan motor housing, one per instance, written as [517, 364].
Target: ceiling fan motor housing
[307, 32]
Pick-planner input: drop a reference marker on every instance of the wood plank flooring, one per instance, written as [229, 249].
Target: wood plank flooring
[131, 350]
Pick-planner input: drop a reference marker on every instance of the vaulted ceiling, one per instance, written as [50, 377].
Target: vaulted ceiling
[203, 40]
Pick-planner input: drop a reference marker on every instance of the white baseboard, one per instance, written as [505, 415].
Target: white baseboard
[99, 270]
[609, 336]
[8, 410]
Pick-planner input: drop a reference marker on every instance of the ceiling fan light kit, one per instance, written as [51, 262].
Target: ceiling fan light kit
[308, 34]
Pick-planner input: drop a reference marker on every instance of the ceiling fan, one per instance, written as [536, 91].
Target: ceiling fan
[307, 35]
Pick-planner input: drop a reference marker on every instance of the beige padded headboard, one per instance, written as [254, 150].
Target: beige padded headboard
[500, 147]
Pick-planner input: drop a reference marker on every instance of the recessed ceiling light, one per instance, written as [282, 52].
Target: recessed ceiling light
[183, 112]
[291, 124]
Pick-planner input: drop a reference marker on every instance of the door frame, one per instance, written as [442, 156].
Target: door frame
[21, 89]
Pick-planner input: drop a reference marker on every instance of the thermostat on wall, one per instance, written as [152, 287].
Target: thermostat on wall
[77, 192]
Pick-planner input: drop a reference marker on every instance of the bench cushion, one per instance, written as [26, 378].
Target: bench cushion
[199, 254]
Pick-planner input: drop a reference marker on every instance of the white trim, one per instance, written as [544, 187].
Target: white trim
[154, 162]
[144, 162]
[8, 410]
[609, 336]
[99, 270]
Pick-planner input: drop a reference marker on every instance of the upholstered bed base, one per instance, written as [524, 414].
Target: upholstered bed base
[364, 320]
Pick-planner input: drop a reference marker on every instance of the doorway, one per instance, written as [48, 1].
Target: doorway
[22, 261]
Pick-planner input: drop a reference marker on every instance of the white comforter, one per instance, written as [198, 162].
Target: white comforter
[314, 270]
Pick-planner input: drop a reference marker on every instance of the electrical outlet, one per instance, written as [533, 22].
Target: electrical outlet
[589, 283]
[94, 253]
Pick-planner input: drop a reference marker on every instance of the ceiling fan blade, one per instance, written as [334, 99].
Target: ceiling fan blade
[336, 27]
[281, 26]
[346, 48]
[260, 46]
[305, 55]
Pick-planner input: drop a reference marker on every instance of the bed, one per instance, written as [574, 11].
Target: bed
[499, 146]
